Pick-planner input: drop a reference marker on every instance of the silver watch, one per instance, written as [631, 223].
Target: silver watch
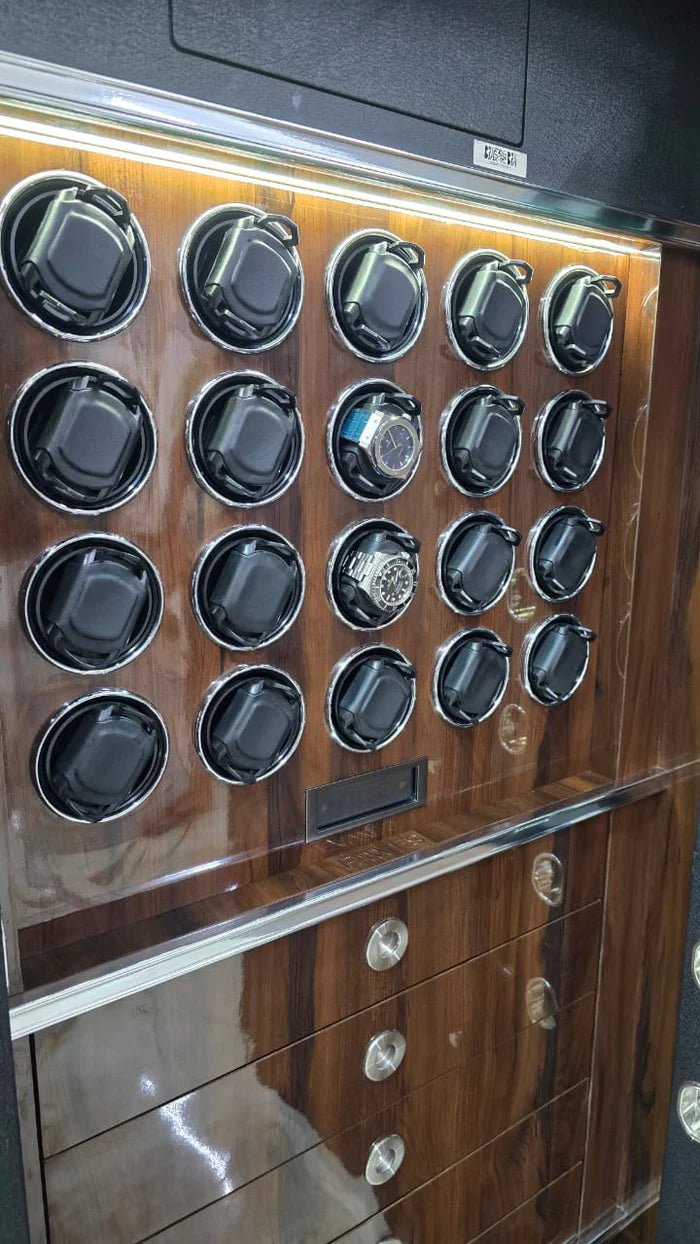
[389, 579]
[391, 442]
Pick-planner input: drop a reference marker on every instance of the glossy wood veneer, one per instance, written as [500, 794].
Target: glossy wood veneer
[91, 1071]
[193, 822]
[322, 1193]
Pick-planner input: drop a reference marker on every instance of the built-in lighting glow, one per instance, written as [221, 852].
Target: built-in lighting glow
[233, 170]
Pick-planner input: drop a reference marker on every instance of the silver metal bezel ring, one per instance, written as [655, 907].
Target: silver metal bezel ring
[44, 736]
[335, 551]
[538, 429]
[52, 373]
[206, 551]
[447, 296]
[245, 377]
[441, 657]
[329, 282]
[547, 300]
[445, 421]
[238, 674]
[360, 386]
[337, 672]
[529, 643]
[62, 334]
[90, 538]
[443, 541]
[531, 550]
[182, 255]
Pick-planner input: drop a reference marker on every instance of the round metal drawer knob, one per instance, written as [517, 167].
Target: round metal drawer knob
[386, 944]
[384, 1054]
[384, 1160]
[541, 1003]
[548, 879]
[688, 1107]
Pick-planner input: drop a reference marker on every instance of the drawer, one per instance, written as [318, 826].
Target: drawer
[550, 1218]
[115, 1063]
[488, 1185]
[123, 1193]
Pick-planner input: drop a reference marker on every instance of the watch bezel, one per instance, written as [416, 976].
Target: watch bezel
[386, 422]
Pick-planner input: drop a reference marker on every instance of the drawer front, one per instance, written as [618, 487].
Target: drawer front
[100, 1192]
[113, 1064]
[550, 1218]
[489, 1184]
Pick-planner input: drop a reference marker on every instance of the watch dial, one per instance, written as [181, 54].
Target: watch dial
[395, 448]
[393, 585]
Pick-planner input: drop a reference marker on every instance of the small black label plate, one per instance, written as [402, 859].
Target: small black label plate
[338, 806]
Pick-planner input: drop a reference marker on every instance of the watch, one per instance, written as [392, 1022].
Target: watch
[390, 441]
[388, 579]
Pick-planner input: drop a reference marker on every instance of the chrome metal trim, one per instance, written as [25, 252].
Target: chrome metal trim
[54, 371]
[335, 552]
[547, 879]
[384, 1055]
[538, 434]
[446, 419]
[234, 675]
[441, 655]
[386, 945]
[90, 537]
[358, 386]
[38, 1009]
[384, 1159]
[528, 645]
[246, 377]
[81, 338]
[78, 94]
[339, 669]
[329, 278]
[104, 693]
[208, 548]
[545, 307]
[531, 550]
[182, 252]
[447, 294]
[444, 539]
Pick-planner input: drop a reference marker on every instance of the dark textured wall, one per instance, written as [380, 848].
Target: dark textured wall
[610, 102]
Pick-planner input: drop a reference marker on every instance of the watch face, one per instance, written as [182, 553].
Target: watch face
[395, 447]
[394, 583]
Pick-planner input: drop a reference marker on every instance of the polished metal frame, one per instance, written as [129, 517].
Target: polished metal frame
[445, 421]
[328, 283]
[387, 386]
[335, 552]
[288, 478]
[103, 693]
[54, 371]
[102, 538]
[443, 541]
[538, 428]
[235, 675]
[241, 529]
[528, 644]
[442, 654]
[447, 295]
[182, 254]
[546, 301]
[81, 338]
[336, 673]
[531, 549]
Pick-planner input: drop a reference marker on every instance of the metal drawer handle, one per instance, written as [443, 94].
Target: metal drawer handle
[548, 879]
[386, 944]
[688, 1107]
[384, 1054]
[541, 1002]
[384, 1160]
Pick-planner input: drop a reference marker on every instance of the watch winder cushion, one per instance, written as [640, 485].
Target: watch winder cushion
[254, 728]
[478, 563]
[473, 679]
[101, 762]
[582, 324]
[252, 277]
[88, 439]
[557, 661]
[564, 555]
[77, 257]
[573, 443]
[250, 441]
[491, 312]
[375, 700]
[486, 438]
[96, 606]
[253, 590]
[383, 295]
